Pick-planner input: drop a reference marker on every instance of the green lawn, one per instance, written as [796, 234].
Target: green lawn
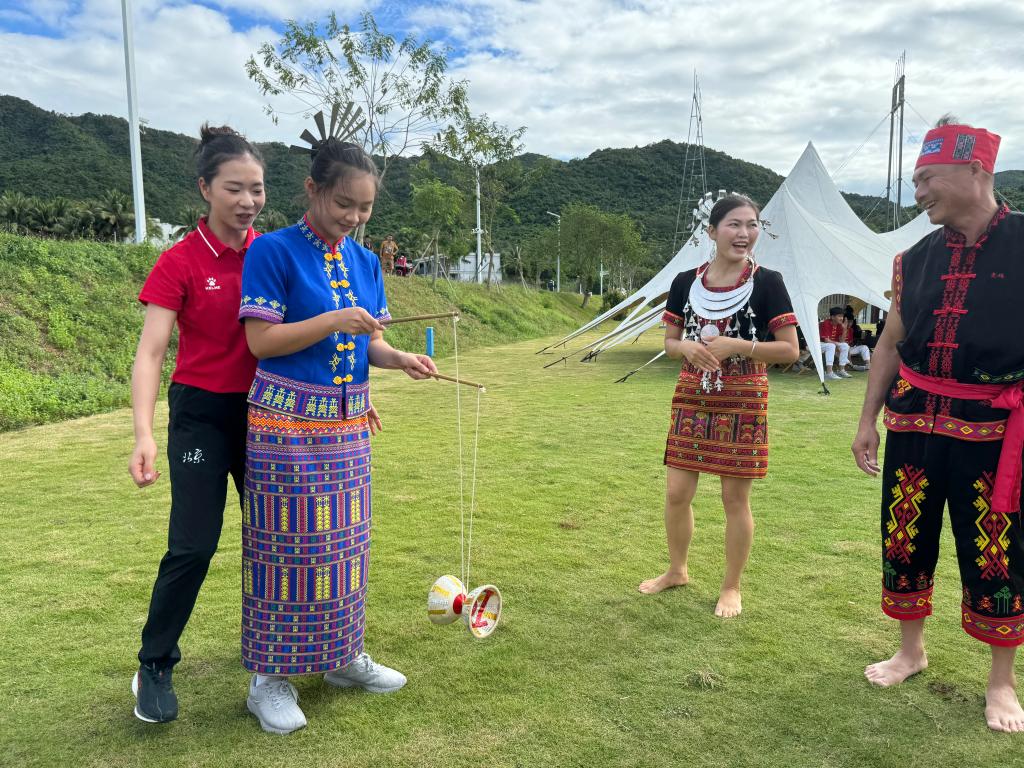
[582, 671]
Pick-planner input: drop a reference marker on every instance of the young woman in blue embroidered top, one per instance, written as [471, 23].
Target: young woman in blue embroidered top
[314, 310]
[195, 284]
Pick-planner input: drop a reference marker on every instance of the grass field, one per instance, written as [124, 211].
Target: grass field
[582, 671]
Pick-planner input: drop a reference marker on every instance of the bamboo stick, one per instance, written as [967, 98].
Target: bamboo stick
[481, 387]
[414, 318]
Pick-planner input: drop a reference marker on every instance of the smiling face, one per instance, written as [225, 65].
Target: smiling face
[945, 191]
[339, 211]
[236, 196]
[735, 234]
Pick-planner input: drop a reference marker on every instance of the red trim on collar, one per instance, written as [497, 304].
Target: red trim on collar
[954, 238]
[748, 272]
[334, 246]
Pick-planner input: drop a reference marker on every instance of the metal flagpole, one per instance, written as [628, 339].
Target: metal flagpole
[479, 230]
[133, 123]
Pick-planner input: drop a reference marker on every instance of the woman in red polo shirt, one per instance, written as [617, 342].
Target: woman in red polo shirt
[196, 284]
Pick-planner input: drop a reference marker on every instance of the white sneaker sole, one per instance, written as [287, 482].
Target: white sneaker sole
[266, 726]
[135, 693]
[370, 688]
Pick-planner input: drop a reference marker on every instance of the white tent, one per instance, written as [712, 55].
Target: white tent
[813, 238]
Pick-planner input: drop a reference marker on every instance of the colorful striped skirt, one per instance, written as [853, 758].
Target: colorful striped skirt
[721, 432]
[305, 543]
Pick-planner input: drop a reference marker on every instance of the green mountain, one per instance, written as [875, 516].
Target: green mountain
[47, 154]
[1010, 179]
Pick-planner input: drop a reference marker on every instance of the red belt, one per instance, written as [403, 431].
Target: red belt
[1006, 494]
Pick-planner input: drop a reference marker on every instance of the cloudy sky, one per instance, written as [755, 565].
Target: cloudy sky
[579, 74]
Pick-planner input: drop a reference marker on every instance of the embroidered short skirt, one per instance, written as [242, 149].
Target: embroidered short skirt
[305, 542]
[722, 432]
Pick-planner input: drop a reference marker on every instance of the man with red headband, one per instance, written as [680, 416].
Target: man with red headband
[949, 368]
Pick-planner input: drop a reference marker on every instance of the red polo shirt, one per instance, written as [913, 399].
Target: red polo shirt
[200, 278]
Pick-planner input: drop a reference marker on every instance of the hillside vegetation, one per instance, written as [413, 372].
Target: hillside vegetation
[91, 152]
[69, 323]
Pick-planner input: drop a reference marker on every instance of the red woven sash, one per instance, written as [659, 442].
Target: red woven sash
[1006, 494]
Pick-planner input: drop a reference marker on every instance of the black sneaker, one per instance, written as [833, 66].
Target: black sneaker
[155, 701]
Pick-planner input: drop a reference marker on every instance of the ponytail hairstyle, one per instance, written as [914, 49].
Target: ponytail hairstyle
[219, 144]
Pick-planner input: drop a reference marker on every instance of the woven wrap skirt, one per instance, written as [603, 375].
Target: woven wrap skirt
[721, 432]
[305, 543]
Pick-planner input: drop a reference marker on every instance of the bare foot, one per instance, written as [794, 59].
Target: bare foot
[1002, 709]
[667, 580]
[897, 669]
[729, 604]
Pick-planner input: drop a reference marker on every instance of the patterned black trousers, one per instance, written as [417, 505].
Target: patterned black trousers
[923, 473]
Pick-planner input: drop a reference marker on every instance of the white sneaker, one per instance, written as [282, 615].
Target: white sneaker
[275, 702]
[367, 674]
[859, 367]
[844, 374]
[829, 376]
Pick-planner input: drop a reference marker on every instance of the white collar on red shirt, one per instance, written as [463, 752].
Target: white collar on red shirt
[215, 245]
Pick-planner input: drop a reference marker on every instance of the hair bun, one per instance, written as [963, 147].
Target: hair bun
[218, 144]
[208, 133]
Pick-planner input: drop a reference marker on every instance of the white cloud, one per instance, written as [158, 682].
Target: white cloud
[581, 75]
[189, 63]
[774, 73]
[294, 9]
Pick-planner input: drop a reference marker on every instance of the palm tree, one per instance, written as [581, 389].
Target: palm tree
[189, 217]
[270, 220]
[79, 222]
[16, 212]
[48, 214]
[114, 217]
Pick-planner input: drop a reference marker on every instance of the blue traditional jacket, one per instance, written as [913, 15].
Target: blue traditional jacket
[293, 274]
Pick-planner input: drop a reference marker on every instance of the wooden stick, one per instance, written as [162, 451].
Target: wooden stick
[414, 318]
[481, 387]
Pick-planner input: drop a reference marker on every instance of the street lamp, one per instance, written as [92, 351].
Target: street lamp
[558, 258]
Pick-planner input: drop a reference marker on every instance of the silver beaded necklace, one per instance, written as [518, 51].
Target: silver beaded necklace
[704, 307]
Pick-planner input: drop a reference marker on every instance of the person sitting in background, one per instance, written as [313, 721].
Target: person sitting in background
[832, 332]
[859, 346]
[805, 353]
